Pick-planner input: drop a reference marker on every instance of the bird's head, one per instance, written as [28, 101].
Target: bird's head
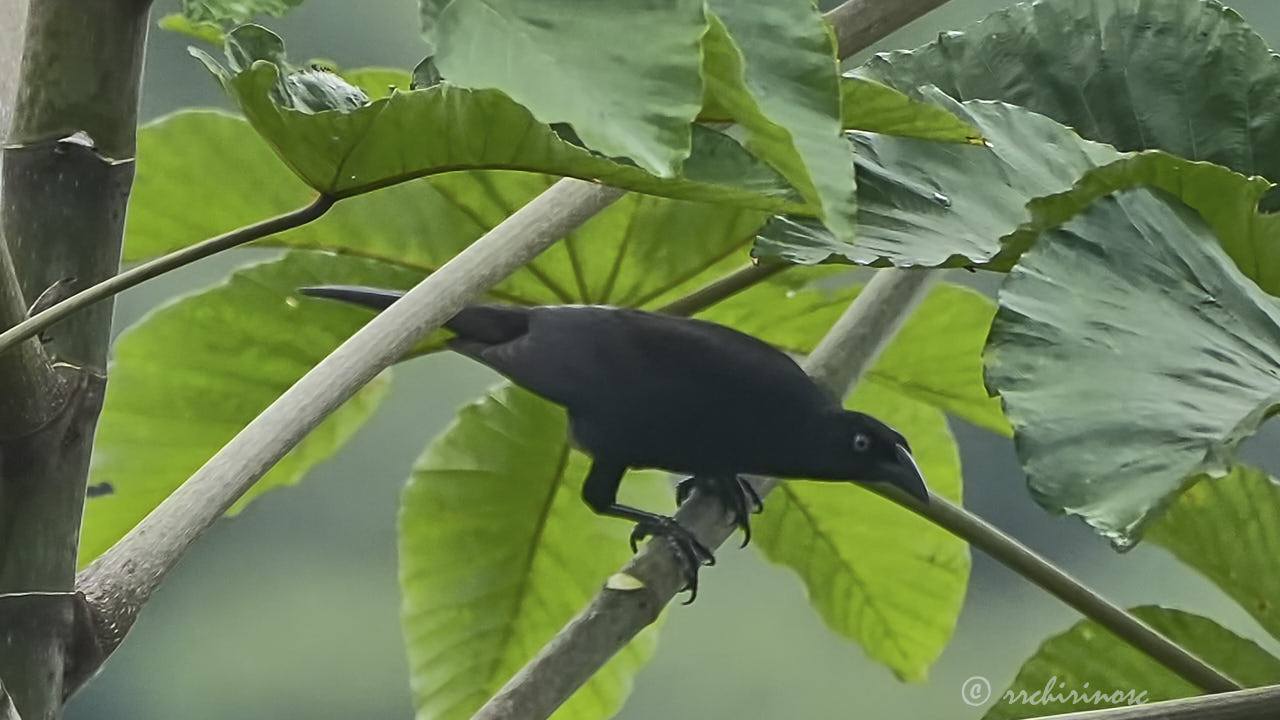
[870, 451]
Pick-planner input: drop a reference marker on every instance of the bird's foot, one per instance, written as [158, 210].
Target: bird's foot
[735, 494]
[689, 550]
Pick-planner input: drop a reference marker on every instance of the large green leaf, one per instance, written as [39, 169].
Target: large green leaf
[930, 203]
[639, 251]
[875, 572]
[1104, 671]
[498, 551]
[782, 55]
[339, 143]
[935, 359]
[872, 107]
[239, 182]
[218, 11]
[1130, 354]
[1185, 76]
[563, 60]
[184, 380]
[1229, 529]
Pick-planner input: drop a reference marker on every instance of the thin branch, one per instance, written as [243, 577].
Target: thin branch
[1252, 704]
[138, 274]
[1035, 567]
[7, 710]
[861, 23]
[724, 287]
[120, 582]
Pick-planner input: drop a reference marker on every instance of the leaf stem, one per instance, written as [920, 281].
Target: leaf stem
[723, 287]
[140, 273]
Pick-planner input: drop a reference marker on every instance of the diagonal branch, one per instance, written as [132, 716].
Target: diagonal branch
[121, 580]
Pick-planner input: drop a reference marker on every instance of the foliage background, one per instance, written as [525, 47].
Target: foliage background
[291, 608]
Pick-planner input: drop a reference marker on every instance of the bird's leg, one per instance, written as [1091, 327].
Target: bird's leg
[600, 491]
[735, 494]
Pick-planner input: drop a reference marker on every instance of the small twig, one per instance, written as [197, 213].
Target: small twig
[1252, 704]
[724, 287]
[118, 584]
[1035, 567]
[40, 321]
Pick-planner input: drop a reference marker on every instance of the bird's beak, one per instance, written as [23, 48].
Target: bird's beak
[907, 476]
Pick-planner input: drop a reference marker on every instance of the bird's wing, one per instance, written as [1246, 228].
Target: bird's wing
[586, 357]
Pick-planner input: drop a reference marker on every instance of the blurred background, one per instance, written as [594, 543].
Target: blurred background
[292, 608]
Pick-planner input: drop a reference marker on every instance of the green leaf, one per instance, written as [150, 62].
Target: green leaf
[498, 552]
[784, 59]
[935, 359]
[901, 601]
[1105, 671]
[877, 573]
[1184, 76]
[871, 107]
[640, 251]
[1226, 200]
[237, 11]
[350, 148]
[1228, 529]
[1130, 354]
[203, 30]
[185, 379]
[239, 182]
[567, 61]
[934, 204]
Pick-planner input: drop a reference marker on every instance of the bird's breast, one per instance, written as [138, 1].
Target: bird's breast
[695, 442]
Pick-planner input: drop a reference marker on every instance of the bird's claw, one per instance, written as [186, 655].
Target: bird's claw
[691, 553]
[737, 496]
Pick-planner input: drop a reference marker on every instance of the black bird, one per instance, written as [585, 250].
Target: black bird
[687, 396]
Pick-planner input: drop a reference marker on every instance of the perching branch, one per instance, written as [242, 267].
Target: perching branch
[115, 284]
[122, 579]
[1252, 704]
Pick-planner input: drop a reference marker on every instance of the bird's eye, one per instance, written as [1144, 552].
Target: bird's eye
[861, 442]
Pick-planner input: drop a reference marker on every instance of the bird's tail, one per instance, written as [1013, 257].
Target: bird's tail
[375, 298]
[481, 325]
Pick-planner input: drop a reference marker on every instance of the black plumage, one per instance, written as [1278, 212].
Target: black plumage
[688, 396]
